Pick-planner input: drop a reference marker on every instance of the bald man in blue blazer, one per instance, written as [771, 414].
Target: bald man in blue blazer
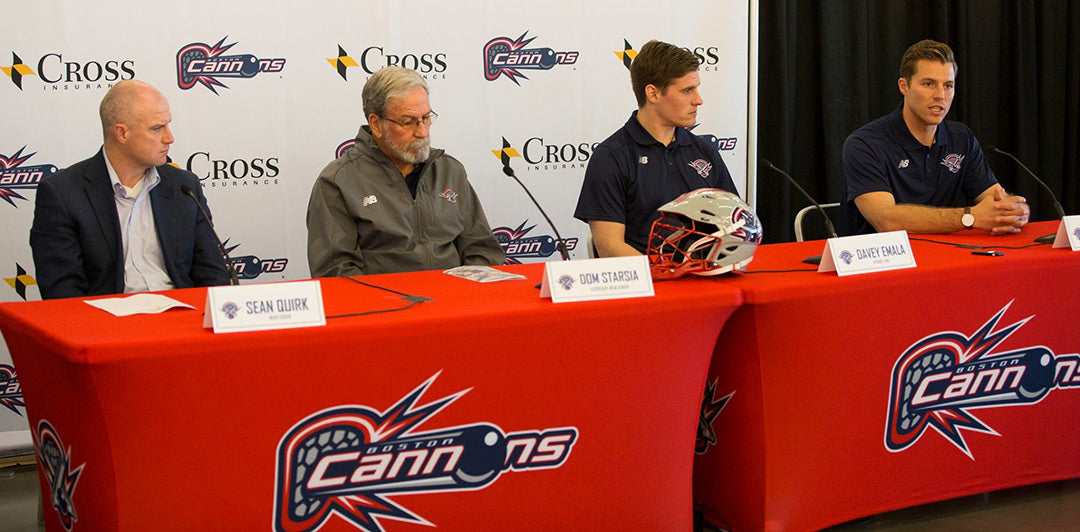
[119, 222]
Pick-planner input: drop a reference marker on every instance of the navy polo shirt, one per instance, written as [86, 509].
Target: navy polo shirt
[631, 174]
[884, 156]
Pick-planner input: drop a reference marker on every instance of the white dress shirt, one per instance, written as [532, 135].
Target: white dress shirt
[144, 263]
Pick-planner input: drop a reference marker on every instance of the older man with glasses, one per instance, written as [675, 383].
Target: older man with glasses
[392, 203]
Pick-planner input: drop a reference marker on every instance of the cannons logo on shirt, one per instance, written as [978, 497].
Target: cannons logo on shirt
[54, 459]
[11, 396]
[547, 154]
[355, 461]
[71, 73]
[708, 56]
[942, 378]
[517, 244]
[710, 409]
[430, 65]
[201, 64]
[15, 175]
[217, 171]
[506, 57]
[952, 162]
[250, 266]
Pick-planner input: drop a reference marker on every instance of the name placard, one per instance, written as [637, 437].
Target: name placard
[596, 279]
[1068, 233]
[261, 307]
[878, 252]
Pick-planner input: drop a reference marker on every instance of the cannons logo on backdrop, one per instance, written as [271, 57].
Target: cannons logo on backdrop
[941, 378]
[59, 74]
[250, 266]
[547, 155]
[708, 56]
[430, 65]
[505, 57]
[350, 460]
[10, 391]
[14, 176]
[710, 409]
[202, 64]
[55, 463]
[518, 245]
[233, 172]
[20, 282]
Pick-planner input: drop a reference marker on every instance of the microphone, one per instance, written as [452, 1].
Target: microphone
[1057, 205]
[816, 259]
[560, 243]
[186, 190]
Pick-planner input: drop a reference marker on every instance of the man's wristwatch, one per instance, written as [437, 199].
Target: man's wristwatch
[967, 219]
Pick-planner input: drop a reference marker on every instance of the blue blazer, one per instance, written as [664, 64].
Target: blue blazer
[76, 240]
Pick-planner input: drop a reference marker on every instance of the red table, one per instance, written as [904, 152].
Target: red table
[812, 435]
[153, 423]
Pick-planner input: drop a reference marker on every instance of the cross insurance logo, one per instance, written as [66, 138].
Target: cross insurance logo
[353, 461]
[201, 64]
[430, 65]
[57, 73]
[16, 175]
[940, 379]
[708, 56]
[506, 57]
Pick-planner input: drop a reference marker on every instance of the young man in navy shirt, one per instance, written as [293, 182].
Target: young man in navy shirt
[908, 170]
[653, 158]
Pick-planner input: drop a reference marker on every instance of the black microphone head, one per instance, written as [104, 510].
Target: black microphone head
[766, 162]
[993, 149]
[508, 171]
[186, 190]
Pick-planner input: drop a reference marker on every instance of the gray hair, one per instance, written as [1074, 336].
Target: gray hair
[389, 83]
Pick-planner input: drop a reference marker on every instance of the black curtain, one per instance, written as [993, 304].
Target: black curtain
[827, 67]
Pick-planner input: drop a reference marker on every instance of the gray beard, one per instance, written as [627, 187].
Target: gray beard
[414, 152]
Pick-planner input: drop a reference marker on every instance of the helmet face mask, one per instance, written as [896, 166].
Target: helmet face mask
[703, 232]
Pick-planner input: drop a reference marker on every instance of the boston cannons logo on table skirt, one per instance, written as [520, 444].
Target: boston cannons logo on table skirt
[353, 461]
[940, 379]
[710, 409]
[55, 463]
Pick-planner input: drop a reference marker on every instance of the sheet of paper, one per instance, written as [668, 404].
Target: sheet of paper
[482, 274]
[137, 304]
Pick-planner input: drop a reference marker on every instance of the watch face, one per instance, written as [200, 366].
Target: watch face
[968, 220]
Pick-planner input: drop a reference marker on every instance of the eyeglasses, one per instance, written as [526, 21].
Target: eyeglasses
[411, 122]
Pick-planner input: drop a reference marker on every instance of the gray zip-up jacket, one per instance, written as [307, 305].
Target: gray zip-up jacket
[361, 218]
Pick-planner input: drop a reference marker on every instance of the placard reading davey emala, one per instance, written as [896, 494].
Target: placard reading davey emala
[880, 252]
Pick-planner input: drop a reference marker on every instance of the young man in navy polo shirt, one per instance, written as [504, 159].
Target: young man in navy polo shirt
[908, 170]
[653, 158]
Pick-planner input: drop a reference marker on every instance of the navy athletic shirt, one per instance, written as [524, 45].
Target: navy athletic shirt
[631, 174]
[884, 156]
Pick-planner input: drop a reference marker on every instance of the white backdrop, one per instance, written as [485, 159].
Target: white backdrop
[259, 142]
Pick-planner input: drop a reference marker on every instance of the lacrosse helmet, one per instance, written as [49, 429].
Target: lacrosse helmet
[707, 231]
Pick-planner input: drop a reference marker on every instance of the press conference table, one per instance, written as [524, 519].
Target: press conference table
[176, 428]
[804, 441]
